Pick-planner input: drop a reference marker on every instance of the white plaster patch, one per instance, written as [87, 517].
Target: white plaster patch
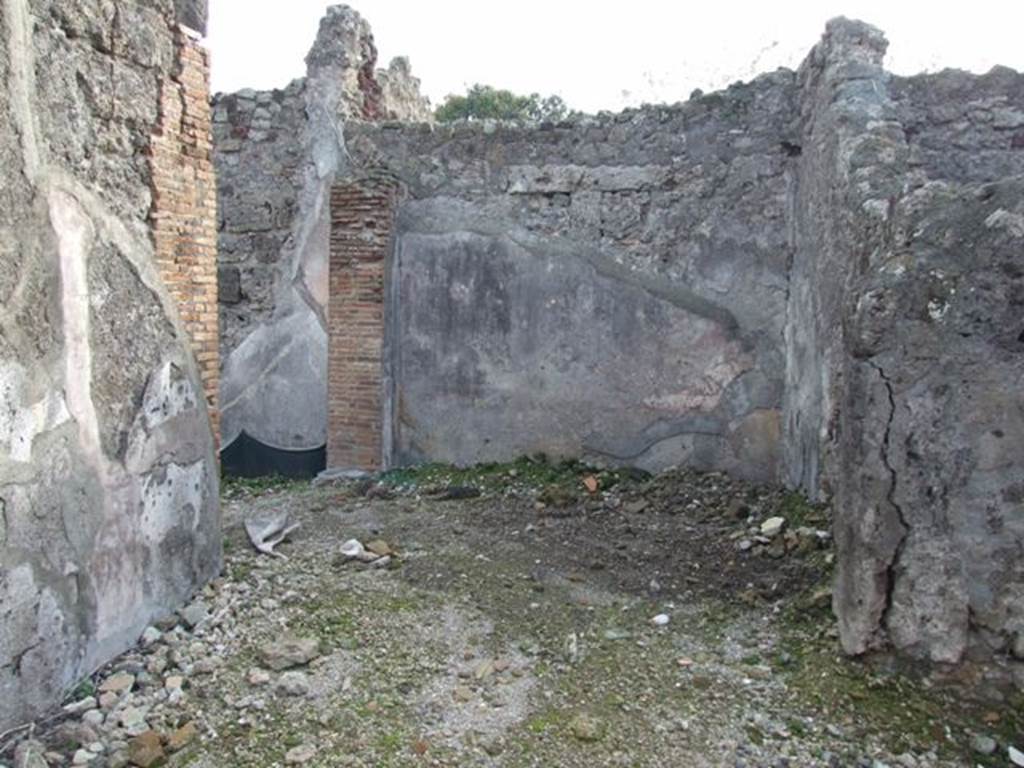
[168, 394]
[21, 422]
[937, 309]
[1004, 219]
[169, 496]
[877, 208]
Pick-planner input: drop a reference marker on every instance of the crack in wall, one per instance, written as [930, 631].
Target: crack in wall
[14, 665]
[890, 497]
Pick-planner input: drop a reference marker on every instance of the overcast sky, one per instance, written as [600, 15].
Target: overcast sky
[600, 55]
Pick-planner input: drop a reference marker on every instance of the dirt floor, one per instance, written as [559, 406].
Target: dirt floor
[521, 615]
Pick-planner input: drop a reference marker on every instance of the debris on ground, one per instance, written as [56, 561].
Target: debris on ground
[653, 621]
[455, 493]
[377, 553]
[267, 529]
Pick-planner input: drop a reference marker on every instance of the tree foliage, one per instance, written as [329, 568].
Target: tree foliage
[483, 102]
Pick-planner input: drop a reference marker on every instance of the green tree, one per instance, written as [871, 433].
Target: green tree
[483, 102]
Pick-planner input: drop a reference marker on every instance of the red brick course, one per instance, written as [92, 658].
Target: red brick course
[362, 218]
[184, 213]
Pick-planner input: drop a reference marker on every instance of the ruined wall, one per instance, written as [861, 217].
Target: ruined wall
[905, 345]
[813, 277]
[109, 511]
[400, 95]
[622, 290]
[611, 288]
[276, 155]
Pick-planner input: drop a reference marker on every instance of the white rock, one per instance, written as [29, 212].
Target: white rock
[300, 755]
[353, 548]
[174, 682]
[293, 684]
[194, 614]
[1016, 756]
[773, 526]
[78, 707]
[257, 676]
[150, 635]
[661, 620]
[93, 718]
[133, 717]
[572, 648]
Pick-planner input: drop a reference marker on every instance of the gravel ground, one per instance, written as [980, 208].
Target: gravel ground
[523, 615]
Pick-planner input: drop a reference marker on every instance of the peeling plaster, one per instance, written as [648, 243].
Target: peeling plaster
[166, 495]
[21, 422]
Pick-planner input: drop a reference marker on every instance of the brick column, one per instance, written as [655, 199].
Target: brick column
[184, 213]
[362, 219]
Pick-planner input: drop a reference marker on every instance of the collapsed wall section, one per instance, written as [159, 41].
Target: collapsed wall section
[109, 512]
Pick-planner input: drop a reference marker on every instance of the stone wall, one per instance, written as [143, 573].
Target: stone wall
[813, 277]
[611, 288]
[109, 512]
[905, 345]
[276, 154]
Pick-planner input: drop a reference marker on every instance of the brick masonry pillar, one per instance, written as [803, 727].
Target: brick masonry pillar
[362, 223]
[184, 213]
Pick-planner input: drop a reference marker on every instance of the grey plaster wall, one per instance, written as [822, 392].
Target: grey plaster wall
[277, 153]
[904, 347]
[611, 288]
[109, 509]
